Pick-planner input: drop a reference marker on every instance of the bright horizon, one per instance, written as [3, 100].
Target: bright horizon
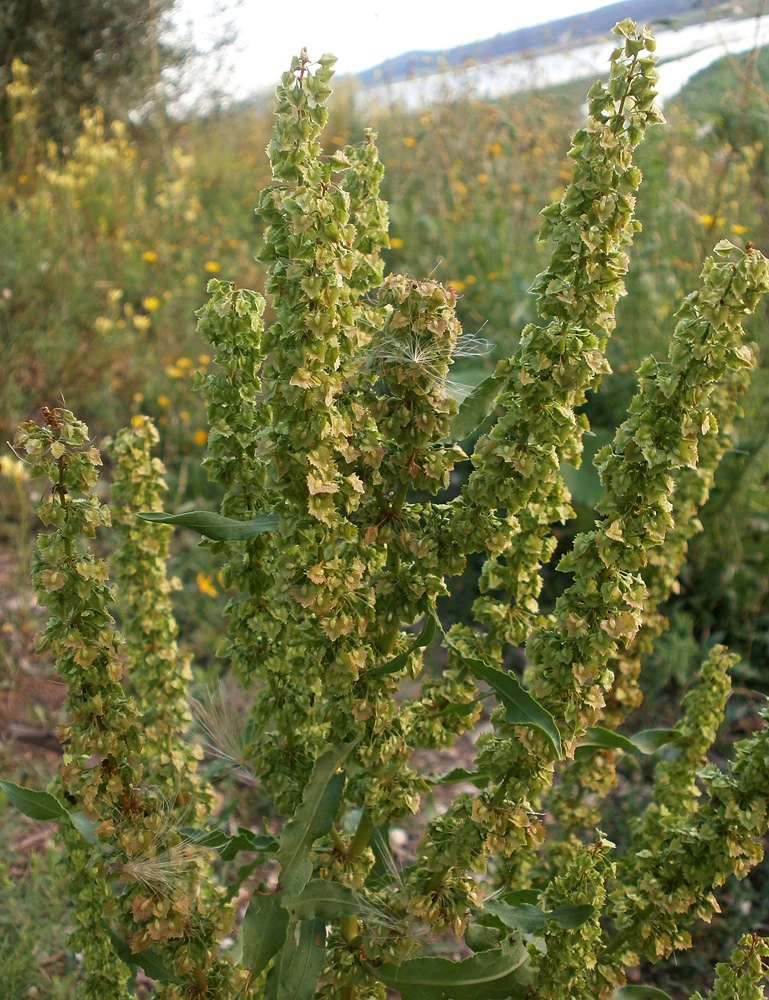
[361, 33]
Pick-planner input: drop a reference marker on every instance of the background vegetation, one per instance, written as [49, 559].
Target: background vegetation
[110, 231]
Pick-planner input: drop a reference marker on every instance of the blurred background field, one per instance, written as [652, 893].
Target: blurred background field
[112, 223]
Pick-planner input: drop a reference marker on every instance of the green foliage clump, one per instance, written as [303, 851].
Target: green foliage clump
[324, 423]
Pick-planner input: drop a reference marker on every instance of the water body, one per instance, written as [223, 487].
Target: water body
[681, 53]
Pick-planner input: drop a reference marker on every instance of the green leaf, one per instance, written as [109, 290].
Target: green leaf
[584, 483]
[43, 806]
[639, 993]
[321, 898]
[215, 526]
[150, 962]
[424, 639]
[500, 974]
[265, 927]
[650, 740]
[298, 965]
[84, 827]
[228, 846]
[36, 805]
[521, 708]
[233, 886]
[478, 778]
[517, 896]
[312, 819]
[475, 408]
[597, 738]
[530, 919]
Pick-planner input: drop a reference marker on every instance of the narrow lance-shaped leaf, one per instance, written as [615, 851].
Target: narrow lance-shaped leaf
[228, 846]
[530, 919]
[44, 806]
[521, 709]
[500, 974]
[296, 971]
[151, 963]
[215, 526]
[33, 803]
[398, 662]
[321, 898]
[475, 408]
[265, 927]
[312, 819]
[647, 742]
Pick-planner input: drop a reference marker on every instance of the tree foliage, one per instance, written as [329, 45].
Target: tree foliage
[107, 52]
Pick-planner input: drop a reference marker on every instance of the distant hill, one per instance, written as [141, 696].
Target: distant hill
[578, 29]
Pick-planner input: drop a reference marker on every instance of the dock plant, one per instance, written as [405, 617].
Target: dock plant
[335, 431]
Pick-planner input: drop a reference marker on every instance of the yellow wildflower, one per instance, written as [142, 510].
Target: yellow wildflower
[706, 220]
[151, 303]
[163, 400]
[173, 371]
[409, 141]
[137, 420]
[184, 415]
[458, 286]
[205, 585]
[396, 243]
[738, 230]
[482, 178]
[212, 266]
[493, 148]
[204, 359]
[200, 438]
[183, 363]
[138, 397]
[149, 256]
[470, 279]
[13, 469]
[142, 322]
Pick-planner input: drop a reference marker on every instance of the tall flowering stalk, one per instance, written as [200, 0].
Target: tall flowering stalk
[130, 866]
[322, 426]
[159, 673]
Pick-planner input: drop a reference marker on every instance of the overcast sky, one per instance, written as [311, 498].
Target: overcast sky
[361, 33]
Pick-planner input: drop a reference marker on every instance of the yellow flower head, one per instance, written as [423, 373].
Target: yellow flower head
[205, 585]
[151, 303]
[409, 141]
[212, 266]
[163, 400]
[200, 437]
[396, 243]
[149, 256]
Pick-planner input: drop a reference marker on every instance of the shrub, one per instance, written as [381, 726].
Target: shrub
[321, 426]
